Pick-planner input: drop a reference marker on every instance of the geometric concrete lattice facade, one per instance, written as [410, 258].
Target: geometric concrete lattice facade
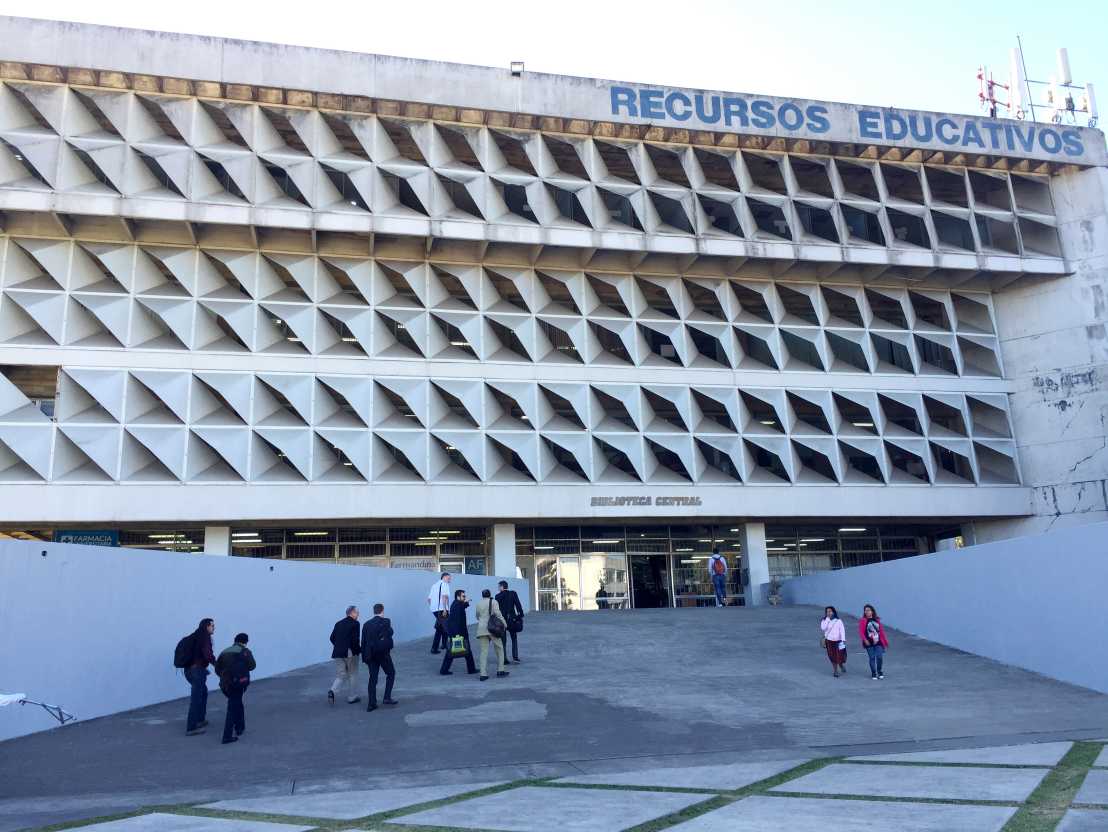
[235, 302]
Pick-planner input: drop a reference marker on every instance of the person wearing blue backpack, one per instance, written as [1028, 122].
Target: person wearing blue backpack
[233, 669]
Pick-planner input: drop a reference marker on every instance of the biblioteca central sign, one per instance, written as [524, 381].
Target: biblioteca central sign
[645, 501]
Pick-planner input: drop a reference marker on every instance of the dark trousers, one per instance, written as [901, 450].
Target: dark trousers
[198, 698]
[236, 714]
[378, 662]
[448, 660]
[515, 643]
[441, 640]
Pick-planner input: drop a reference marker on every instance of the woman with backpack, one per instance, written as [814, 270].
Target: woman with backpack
[834, 639]
[874, 640]
[490, 629]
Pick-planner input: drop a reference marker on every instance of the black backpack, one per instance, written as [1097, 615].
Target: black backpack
[185, 650]
[382, 641]
[236, 672]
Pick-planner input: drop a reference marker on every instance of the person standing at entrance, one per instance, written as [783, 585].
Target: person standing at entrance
[874, 640]
[834, 639]
[509, 604]
[233, 668]
[717, 568]
[377, 654]
[438, 599]
[488, 614]
[456, 626]
[345, 655]
[197, 674]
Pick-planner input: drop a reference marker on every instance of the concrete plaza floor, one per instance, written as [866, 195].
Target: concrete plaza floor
[619, 696]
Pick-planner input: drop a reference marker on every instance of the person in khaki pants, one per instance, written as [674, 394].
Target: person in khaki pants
[486, 608]
[346, 654]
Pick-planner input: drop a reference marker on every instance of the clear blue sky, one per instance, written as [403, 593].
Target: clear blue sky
[913, 55]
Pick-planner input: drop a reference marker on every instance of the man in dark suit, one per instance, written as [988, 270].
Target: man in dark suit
[456, 626]
[345, 652]
[377, 654]
[512, 610]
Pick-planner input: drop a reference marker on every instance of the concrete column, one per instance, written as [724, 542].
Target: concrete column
[217, 540]
[504, 550]
[755, 563]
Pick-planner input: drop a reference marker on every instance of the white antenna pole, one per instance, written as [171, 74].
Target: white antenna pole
[1016, 83]
[1064, 74]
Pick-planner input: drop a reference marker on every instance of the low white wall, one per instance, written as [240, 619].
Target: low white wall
[93, 629]
[1034, 602]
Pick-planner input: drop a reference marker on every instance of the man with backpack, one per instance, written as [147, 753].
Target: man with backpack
[509, 604]
[193, 654]
[233, 669]
[717, 568]
[377, 654]
[345, 653]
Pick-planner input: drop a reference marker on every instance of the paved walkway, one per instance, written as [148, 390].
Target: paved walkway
[599, 697]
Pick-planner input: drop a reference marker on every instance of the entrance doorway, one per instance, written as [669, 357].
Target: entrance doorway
[581, 582]
[650, 581]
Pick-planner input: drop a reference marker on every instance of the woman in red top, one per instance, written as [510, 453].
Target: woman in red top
[874, 640]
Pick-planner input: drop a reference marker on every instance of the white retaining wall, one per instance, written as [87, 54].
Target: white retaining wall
[93, 629]
[1035, 602]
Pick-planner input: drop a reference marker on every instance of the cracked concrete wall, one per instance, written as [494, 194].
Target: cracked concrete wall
[1054, 342]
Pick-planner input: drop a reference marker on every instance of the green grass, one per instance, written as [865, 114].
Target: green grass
[1042, 811]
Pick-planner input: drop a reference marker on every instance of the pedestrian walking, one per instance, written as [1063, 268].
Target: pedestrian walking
[194, 653]
[346, 650]
[377, 654]
[490, 630]
[233, 669]
[874, 640]
[438, 600]
[717, 568]
[512, 609]
[455, 627]
[834, 639]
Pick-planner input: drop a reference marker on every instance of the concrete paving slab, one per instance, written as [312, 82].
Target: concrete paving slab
[1102, 758]
[722, 777]
[804, 814]
[158, 822]
[1094, 789]
[1083, 820]
[919, 781]
[537, 809]
[346, 805]
[1033, 754]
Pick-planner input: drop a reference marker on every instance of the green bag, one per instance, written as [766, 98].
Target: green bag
[458, 646]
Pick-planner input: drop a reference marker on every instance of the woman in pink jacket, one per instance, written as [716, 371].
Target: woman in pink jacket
[834, 639]
[873, 639]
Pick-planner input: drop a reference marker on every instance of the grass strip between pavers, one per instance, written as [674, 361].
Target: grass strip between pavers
[1045, 807]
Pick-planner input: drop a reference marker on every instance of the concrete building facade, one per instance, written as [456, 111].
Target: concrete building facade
[286, 302]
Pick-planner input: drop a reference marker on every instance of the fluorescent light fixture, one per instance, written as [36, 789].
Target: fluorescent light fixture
[159, 536]
[776, 549]
[689, 549]
[350, 340]
[813, 539]
[734, 530]
[767, 421]
[293, 338]
[605, 541]
[542, 547]
[852, 529]
[244, 534]
[459, 343]
[310, 534]
[863, 424]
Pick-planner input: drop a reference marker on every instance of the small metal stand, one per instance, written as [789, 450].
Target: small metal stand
[56, 711]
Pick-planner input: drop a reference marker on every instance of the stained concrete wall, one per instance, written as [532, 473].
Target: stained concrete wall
[1035, 602]
[1054, 344]
[93, 629]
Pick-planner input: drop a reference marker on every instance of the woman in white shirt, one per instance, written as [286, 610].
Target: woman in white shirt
[834, 639]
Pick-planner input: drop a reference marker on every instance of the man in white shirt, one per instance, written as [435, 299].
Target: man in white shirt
[717, 569]
[438, 600]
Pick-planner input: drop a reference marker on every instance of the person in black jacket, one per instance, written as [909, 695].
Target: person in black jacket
[456, 626]
[197, 675]
[233, 668]
[344, 638]
[377, 654]
[512, 610]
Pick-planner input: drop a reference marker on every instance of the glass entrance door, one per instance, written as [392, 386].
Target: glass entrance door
[650, 581]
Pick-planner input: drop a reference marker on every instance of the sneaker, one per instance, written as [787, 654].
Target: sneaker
[390, 702]
[370, 707]
[501, 674]
[836, 674]
[874, 678]
[446, 672]
[436, 652]
[331, 697]
[880, 675]
[485, 678]
[230, 739]
[195, 731]
[354, 700]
